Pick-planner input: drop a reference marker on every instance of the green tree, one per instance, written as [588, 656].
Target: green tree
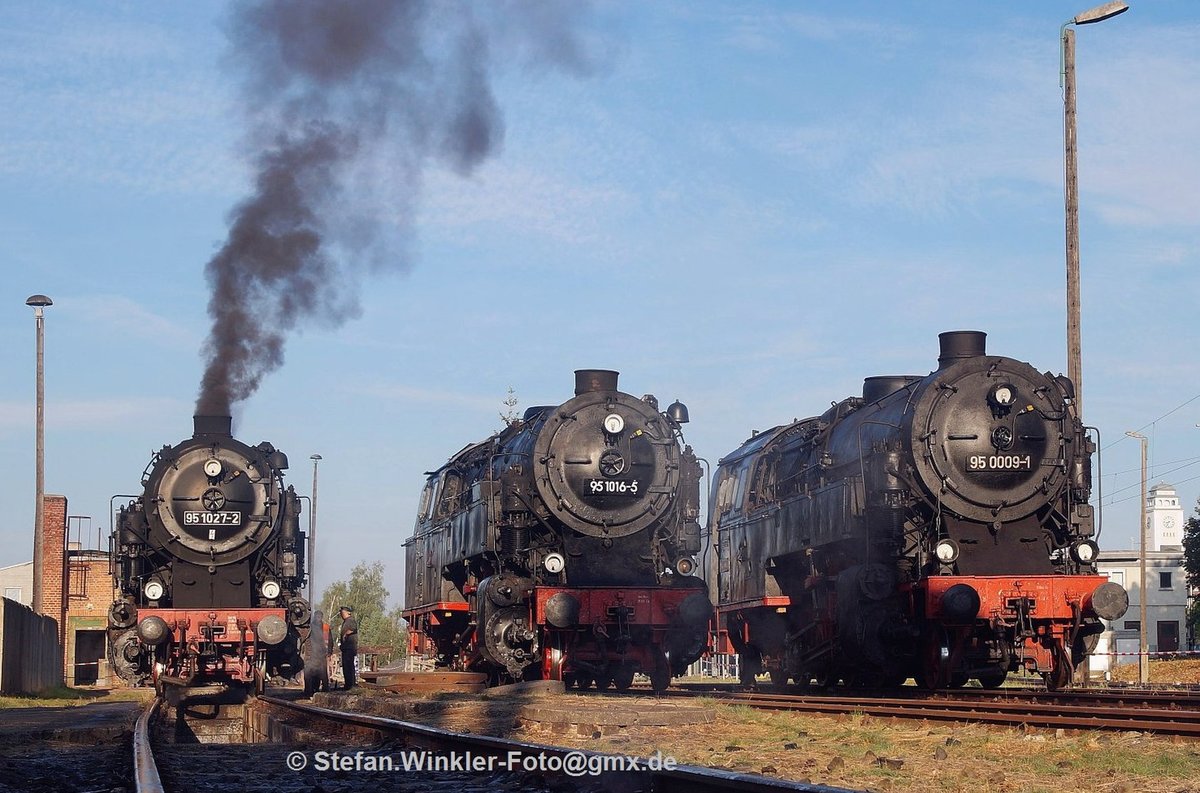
[1191, 548]
[377, 626]
[1191, 566]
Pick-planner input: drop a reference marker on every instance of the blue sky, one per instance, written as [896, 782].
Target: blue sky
[747, 206]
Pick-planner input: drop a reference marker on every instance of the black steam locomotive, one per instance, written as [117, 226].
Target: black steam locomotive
[209, 565]
[563, 547]
[936, 527]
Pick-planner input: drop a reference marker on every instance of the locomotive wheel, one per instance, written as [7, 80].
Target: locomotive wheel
[568, 680]
[993, 678]
[1060, 676]
[623, 676]
[603, 682]
[584, 681]
[935, 671]
[660, 678]
[779, 677]
[750, 667]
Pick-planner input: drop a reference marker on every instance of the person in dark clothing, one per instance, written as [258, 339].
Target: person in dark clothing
[349, 638]
[316, 651]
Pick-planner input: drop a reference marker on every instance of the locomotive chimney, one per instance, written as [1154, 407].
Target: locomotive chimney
[958, 344]
[587, 380]
[212, 425]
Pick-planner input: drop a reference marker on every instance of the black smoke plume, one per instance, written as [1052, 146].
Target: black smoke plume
[346, 103]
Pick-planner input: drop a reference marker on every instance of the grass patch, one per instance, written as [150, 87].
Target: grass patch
[62, 696]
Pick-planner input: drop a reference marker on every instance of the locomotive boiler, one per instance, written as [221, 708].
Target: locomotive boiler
[937, 527]
[564, 546]
[209, 564]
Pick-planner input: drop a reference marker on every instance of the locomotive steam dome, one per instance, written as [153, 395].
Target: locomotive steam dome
[212, 499]
[607, 463]
[989, 434]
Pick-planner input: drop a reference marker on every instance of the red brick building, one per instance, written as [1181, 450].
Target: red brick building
[77, 589]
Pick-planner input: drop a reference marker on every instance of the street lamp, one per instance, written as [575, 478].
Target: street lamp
[1066, 80]
[312, 530]
[1144, 647]
[39, 303]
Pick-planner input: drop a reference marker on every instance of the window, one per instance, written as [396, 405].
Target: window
[13, 593]
[1117, 576]
[1164, 580]
[1133, 625]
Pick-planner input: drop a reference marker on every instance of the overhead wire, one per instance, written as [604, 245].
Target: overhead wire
[1157, 474]
[1152, 423]
[1135, 495]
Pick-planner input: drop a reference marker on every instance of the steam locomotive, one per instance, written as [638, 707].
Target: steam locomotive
[564, 546]
[209, 565]
[937, 527]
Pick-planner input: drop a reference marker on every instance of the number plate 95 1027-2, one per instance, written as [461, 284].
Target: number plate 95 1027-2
[198, 518]
[999, 462]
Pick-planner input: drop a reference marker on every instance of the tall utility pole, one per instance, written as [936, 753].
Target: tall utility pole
[1144, 643]
[39, 303]
[1071, 157]
[312, 534]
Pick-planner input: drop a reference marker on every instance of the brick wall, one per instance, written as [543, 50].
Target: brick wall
[54, 558]
[89, 594]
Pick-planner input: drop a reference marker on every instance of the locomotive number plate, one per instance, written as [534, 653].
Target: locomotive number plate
[999, 462]
[197, 518]
[613, 487]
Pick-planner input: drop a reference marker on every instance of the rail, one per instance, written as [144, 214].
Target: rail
[145, 770]
[1151, 712]
[691, 779]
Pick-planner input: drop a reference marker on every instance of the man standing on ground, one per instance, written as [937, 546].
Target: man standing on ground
[349, 638]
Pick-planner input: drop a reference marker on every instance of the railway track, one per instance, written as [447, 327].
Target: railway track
[1152, 711]
[1175, 699]
[199, 768]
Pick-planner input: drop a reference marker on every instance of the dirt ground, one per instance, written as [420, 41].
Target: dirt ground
[852, 751]
[1185, 672]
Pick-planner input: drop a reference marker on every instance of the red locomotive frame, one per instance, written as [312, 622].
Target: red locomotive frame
[209, 645]
[1041, 614]
[600, 648]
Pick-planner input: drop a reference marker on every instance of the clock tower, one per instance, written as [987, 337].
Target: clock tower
[1164, 518]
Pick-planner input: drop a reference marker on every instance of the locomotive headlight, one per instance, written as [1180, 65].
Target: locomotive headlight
[685, 565]
[213, 468]
[613, 423]
[946, 551]
[1085, 551]
[554, 562]
[154, 590]
[1002, 396]
[270, 589]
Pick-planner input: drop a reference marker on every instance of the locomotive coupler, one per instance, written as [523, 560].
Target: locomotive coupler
[1023, 606]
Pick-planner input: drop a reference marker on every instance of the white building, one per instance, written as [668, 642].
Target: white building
[16, 582]
[1165, 591]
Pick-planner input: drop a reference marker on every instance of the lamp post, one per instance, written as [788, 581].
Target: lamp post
[1143, 642]
[312, 531]
[39, 303]
[1071, 157]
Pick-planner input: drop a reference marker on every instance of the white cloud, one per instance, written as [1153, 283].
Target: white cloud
[512, 195]
[89, 414]
[127, 317]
